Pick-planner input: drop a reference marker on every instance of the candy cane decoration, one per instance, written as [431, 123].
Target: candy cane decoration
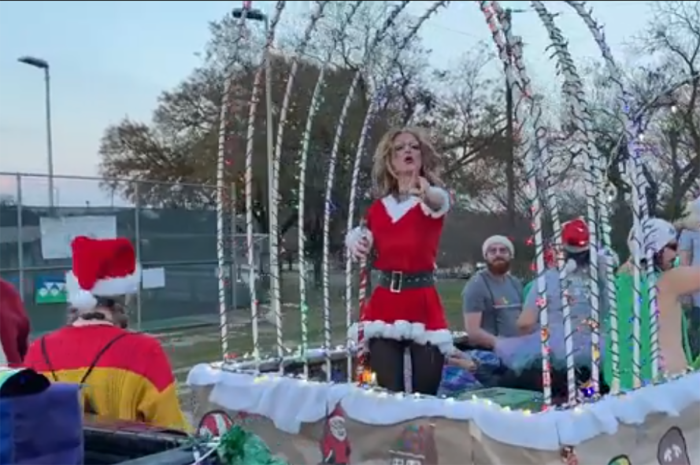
[533, 146]
[580, 117]
[381, 33]
[220, 196]
[641, 187]
[362, 297]
[274, 275]
[630, 131]
[316, 99]
[252, 113]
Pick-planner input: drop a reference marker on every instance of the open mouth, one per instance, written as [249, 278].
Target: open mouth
[408, 160]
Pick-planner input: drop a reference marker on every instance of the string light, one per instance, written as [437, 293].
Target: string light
[367, 378]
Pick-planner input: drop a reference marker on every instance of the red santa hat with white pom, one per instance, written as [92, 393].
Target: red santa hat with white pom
[101, 268]
[575, 238]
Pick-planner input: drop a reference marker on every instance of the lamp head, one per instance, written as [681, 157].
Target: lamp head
[33, 61]
[254, 14]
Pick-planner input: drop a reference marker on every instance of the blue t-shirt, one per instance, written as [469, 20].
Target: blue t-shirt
[521, 352]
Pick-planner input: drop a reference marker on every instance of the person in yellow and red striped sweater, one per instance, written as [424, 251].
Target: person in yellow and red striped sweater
[125, 375]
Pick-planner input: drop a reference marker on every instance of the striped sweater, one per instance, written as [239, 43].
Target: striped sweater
[131, 380]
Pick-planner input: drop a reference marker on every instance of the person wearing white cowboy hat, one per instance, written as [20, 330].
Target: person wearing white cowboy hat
[673, 283]
[492, 298]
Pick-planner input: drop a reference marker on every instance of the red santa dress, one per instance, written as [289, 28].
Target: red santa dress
[405, 236]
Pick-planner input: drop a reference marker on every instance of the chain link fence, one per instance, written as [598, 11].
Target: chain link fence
[174, 230]
[176, 244]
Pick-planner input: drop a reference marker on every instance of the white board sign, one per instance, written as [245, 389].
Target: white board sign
[58, 233]
[153, 278]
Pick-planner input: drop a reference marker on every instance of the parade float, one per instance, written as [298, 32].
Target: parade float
[319, 405]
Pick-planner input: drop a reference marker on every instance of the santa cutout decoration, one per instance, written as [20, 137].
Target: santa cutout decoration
[335, 446]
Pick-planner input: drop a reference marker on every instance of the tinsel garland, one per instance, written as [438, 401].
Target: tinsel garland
[240, 447]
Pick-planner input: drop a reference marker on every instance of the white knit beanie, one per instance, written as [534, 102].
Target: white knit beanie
[493, 240]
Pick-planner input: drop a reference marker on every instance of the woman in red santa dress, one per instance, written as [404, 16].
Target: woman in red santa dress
[404, 226]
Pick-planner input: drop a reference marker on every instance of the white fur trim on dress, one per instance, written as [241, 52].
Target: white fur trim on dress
[353, 238]
[85, 299]
[404, 330]
[445, 203]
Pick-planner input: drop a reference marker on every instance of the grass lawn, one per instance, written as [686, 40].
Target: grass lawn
[196, 345]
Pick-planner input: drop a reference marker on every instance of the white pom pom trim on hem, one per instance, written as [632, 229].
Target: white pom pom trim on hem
[404, 330]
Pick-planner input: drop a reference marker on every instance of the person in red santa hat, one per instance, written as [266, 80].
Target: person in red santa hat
[126, 375]
[522, 354]
[14, 326]
[404, 226]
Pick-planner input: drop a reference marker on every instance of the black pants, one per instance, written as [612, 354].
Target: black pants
[386, 358]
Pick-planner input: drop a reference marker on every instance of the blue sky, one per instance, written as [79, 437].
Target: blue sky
[111, 59]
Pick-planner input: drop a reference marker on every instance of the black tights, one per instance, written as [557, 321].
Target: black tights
[386, 360]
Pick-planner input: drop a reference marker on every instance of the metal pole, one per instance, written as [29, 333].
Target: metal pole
[137, 238]
[510, 116]
[20, 238]
[49, 139]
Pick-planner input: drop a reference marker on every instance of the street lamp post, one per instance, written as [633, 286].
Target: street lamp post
[257, 15]
[43, 64]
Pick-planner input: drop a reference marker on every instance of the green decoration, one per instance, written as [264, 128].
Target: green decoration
[240, 447]
[625, 317]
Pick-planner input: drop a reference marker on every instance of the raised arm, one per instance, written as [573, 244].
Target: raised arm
[436, 201]
[672, 285]
[529, 317]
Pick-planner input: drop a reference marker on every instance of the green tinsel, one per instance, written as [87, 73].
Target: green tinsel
[240, 447]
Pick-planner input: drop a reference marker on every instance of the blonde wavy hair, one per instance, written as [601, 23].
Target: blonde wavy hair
[383, 177]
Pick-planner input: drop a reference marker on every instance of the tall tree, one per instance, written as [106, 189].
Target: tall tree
[175, 154]
[664, 84]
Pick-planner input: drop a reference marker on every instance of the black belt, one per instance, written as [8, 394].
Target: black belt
[396, 281]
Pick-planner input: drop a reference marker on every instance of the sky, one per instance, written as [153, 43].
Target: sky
[111, 59]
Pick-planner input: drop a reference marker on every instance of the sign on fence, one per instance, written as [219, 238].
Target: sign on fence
[57, 233]
[50, 290]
